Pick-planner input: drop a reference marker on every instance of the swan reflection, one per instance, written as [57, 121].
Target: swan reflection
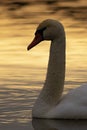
[45, 124]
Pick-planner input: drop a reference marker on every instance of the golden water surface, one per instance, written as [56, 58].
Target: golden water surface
[22, 73]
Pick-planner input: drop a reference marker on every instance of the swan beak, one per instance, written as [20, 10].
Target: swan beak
[37, 39]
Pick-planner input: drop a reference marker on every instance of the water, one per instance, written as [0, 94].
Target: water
[22, 73]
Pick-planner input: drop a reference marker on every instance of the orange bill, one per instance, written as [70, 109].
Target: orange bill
[38, 38]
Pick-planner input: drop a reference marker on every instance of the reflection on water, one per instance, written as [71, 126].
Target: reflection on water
[22, 73]
[41, 124]
[59, 124]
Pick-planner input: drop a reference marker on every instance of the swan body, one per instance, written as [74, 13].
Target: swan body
[51, 103]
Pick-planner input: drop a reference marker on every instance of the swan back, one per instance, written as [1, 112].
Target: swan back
[72, 106]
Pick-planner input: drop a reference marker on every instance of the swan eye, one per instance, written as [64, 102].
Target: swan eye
[40, 31]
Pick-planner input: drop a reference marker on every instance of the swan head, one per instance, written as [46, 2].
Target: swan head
[47, 30]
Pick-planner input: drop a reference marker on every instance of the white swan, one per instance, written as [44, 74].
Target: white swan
[51, 103]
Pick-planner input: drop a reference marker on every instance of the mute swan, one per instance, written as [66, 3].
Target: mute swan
[51, 103]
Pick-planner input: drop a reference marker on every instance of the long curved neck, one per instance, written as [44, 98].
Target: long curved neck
[54, 84]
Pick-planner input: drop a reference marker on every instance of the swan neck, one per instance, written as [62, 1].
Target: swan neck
[54, 84]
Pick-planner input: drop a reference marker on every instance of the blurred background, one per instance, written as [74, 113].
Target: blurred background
[22, 73]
